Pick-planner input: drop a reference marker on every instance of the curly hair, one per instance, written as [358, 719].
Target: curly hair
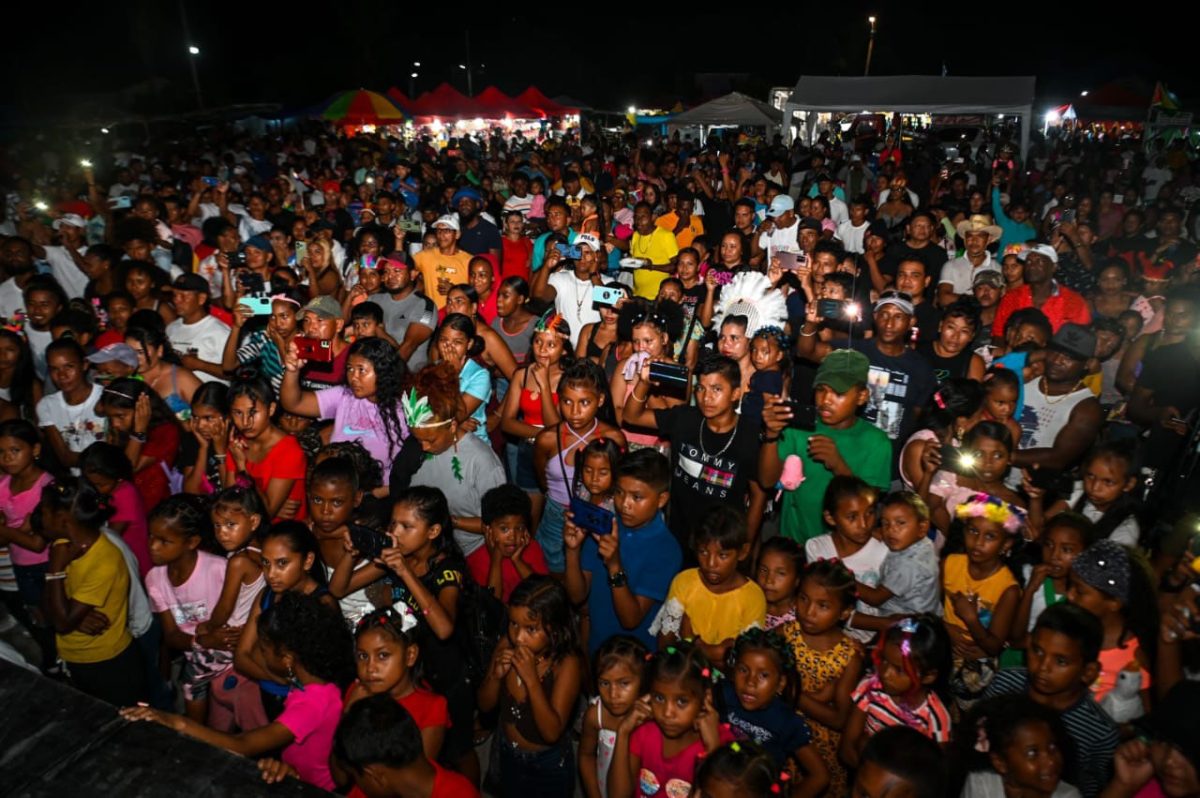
[390, 375]
[759, 639]
[313, 632]
[438, 383]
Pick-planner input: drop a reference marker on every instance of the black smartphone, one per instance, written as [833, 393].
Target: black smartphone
[832, 308]
[591, 518]
[958, 460]
[251, 283]
[668, 374]
[368, 542]
[804, 416]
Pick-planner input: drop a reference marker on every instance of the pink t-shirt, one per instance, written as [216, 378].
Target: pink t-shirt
[661, 777]
[129, 510]
[191, 603]
[16, 508]
[311, 714]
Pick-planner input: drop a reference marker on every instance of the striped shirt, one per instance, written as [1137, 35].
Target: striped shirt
[259, 347]
[8, 577]
[1093, 733]
[883, 711]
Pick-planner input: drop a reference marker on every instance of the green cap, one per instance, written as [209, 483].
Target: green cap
[324, 306]
[842, 369]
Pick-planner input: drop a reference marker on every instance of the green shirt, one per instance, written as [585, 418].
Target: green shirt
[866, 450]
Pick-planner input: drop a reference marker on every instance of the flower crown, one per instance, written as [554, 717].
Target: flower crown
[995, 509]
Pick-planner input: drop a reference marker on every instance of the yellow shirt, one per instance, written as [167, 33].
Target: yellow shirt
[687, 235]
[100, 579]
[433, 265]
[956, 579]
[659, 248]
[716, 617]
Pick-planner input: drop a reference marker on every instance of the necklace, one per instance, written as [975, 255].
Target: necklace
[704, 454]
[1057, 399]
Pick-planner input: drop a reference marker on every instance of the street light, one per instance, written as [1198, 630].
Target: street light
[632, 109]
[413, 75]
[194, 51]
[416, 63]
[870, 47]
[1083, 93]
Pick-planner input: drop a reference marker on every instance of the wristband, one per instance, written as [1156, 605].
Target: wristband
[641, 399]
[762, 438]
[619, 579]
[56, 575]
[140, 437]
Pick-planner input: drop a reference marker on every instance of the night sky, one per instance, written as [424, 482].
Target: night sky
[258, 52]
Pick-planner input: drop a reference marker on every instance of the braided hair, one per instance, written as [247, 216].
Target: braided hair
[681, 663]
[743, 765]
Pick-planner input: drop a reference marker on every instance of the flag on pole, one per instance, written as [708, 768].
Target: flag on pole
[1163, 98]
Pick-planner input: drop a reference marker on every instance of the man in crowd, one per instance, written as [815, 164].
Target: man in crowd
[1060, 304]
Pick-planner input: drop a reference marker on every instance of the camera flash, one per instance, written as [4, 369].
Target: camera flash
[85, 163]
[41, 206]
[852, 310]
[967, 460]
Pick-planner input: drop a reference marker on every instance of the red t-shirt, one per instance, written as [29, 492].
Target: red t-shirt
[1063, 306]
[162, 443]
[285, 460]
[428, 710]
[515, 257]
[509, 578]
[446, 784]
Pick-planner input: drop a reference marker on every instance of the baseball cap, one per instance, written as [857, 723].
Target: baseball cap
[466, 193]
[449, 220]
[842, 369]
[69, 219]
[898, 298]
[324, 306]
[258, 242]
[1041, 249]
[988, 277]
[780, 205]
[588, 240]
[1075, 340]
[390, 263]
[122, 353]
[191, 282]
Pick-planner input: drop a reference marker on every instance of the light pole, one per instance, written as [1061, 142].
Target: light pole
[193, 54]
[412, 80]
[870, 47]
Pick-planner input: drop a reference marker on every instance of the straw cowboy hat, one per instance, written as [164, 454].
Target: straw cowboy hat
[979, 224]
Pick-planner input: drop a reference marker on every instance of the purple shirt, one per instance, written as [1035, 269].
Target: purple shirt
[358, 420]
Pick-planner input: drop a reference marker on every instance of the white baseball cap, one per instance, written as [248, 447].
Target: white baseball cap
[588, 240]
[71, 220]
[449, 220]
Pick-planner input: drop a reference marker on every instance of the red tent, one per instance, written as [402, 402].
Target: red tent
[445, 102]
[399, 98]
[495, 104]
[534, 98]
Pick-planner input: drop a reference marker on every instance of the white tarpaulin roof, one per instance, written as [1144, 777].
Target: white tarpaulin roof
[732, 109]
[914, 94]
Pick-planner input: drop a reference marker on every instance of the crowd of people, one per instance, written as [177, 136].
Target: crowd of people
[615, 467]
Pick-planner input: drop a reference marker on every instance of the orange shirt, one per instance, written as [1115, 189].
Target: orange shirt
[687, 235]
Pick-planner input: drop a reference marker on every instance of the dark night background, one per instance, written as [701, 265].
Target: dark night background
[57, 54]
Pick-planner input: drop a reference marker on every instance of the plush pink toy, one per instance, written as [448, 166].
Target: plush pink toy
[792, 476]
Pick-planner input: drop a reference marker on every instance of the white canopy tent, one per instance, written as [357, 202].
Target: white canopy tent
[732, 110]
[912, 94]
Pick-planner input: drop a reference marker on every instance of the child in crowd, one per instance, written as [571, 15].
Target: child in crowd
[849, 511]
[757, 702]
[713, 603]
[513, 554]
[1111, 582]
[1064, 538]
[741, 768]
[594, 479]
[670, 730]
[912, 662]
[1063, 657]
[619, 668]
[900, 761]
[1105, 495]
[624, 576]
[909, 577]
[534, 680]
[828, 661]
[780, 566]
[1019, 745]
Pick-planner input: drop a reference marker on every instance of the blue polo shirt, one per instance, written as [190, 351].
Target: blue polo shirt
[651, 557]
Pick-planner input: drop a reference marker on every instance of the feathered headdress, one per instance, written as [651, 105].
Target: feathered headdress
[551, 321]
[417, 411]
[751, 294]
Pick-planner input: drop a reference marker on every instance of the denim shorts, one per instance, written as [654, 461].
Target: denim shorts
[550, 536]
[545, 774]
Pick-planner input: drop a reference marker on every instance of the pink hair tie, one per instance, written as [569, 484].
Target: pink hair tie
[939, 401]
